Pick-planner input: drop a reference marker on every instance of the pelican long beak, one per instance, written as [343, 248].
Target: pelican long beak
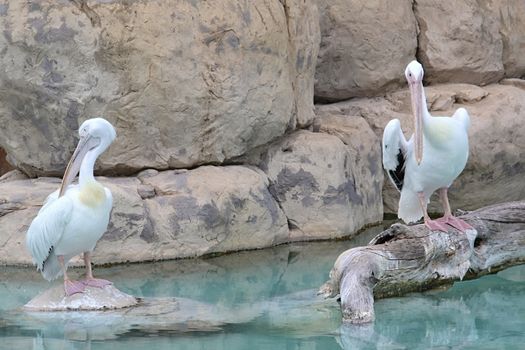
[73, 167]
[416, 92]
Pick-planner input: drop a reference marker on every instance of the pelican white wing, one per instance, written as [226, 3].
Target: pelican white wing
[47, 229]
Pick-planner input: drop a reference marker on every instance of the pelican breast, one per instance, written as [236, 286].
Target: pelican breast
[92, 194]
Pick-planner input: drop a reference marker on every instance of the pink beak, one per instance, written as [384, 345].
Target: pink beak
[416, 92]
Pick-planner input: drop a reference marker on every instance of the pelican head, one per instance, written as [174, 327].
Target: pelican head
[95, 137]
[414, 75]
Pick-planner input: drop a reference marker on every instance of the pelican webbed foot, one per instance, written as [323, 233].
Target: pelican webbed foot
[436, 225]
[96, 282]
[73, 287]
[455, 222]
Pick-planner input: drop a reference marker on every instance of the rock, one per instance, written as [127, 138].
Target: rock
[212, 209]
[147, 173]
[129, 227]
[146, 191]
[459, 42]
[519, 83]
[496, 162]
[183, 85]
[234, 212]
[184, 214]
[314, 178]
[305, 37]
[442, 97]
[365, 148]
[13, 175]
[148, 316]
[106, 298]
[512, 24]
[4, 164]
[20, 201]
[365, 46]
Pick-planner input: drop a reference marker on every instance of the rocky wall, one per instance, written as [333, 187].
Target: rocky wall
[216, 101]
[184, 82]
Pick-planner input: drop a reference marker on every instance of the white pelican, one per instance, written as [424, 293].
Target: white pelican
[74, 217]
[433, 157]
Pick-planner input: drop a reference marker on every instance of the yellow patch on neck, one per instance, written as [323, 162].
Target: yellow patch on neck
[92, 194]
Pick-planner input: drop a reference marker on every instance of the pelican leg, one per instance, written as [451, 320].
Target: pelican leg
[70, 287]
[433, 225]
[90, 280]
[448, 218]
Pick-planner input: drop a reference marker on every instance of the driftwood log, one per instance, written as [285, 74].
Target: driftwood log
[405, 259]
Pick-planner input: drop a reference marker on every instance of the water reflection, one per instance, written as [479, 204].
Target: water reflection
[264, 300]
[487, 313]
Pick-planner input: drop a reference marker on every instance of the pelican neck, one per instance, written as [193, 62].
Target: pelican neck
[85, 175]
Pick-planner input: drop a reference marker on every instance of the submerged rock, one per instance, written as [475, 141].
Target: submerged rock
[106, 298]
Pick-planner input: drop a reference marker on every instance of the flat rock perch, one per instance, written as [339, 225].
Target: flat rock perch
[92, 299]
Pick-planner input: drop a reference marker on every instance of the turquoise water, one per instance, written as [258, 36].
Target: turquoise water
[266, 300]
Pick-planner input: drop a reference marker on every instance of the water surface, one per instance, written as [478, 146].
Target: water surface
[266, 300]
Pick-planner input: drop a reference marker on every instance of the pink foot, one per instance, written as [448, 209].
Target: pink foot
[73, 287]
[96, 282]
[456, 223]
[436, 225]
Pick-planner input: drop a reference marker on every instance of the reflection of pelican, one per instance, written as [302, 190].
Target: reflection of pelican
[74, 217]
[433, 157]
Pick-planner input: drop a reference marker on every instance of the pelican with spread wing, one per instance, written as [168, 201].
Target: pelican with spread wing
[74, 217]
[430, 160]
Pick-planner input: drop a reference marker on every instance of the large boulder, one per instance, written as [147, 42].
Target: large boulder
[160, 215]
[211, 210]
[365, 46]
[459, 41]
[365, 150]
[494, 172]
[184, 82]
[320, 186]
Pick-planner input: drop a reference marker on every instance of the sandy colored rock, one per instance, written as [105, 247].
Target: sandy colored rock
[510, 14]
[365, 46]
[212, 209]
[519, 83]
[20, 201]
[185, 214]
[13, 175]
[129, 226]
[459, 42]
[365, 149]
[183, 82]
[494, 171]
[305, 37]
[314, 178]
[106, 298]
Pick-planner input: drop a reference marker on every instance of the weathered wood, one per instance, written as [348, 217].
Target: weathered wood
[405, 259]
